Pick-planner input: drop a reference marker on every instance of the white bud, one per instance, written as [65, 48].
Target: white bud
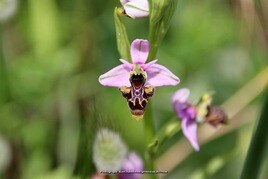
[136, 8]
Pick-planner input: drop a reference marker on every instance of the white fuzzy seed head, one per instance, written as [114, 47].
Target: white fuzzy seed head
[109, 151]
[7, 9]
[5, 154]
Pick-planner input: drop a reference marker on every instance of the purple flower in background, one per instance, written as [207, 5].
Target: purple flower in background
[187, 113]
[191, 115]
[133, 165]
[138, 79]
[136, 8]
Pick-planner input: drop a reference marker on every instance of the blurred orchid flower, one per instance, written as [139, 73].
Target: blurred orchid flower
[138, 79]
[133, 163]
[187, 113]
[191, 115]
[136, 8]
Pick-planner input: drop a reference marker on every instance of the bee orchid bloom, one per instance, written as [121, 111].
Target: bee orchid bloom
[136, 8]
[138, 79]
[187, 113]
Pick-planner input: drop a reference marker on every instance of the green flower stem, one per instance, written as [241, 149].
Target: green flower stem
[154, 141]
[149, 124]
[161, 12]
[149, 129]
[167, 132]
[4, 87]
[258, 146]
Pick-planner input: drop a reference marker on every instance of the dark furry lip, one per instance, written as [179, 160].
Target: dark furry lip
[137, 112]
[137, 95]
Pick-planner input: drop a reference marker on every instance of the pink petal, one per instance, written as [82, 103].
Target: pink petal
[128, 165]
[132, 163]
[158, 75]
[116, 77]
[180, 96]
[127, 65]
[139, 51]
[141, 3]
[123, 2]
[136, 8]
[147, 65]
[136, 160]
[189, 129]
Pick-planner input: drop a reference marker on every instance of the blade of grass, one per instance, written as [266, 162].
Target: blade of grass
[258, 145]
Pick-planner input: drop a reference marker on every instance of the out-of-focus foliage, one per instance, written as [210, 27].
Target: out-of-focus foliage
[51, 104]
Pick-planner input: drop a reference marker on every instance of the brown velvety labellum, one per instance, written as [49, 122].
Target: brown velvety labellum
[216, 116]
[137, 95]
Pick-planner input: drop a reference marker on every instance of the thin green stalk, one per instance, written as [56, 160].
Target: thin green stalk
[258, 145]
[167, 132]
[149, 125]
[161, 12]
[4, 87]
[149, 134]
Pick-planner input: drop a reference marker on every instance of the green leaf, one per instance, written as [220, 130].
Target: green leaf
[121, 35]
[258, 145]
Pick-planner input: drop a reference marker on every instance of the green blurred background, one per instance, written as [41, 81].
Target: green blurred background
[51, 103]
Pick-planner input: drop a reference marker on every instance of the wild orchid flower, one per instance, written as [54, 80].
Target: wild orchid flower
[137, 80]
[187, 113]
[191, 115]
[136, 8]
[134, 165]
